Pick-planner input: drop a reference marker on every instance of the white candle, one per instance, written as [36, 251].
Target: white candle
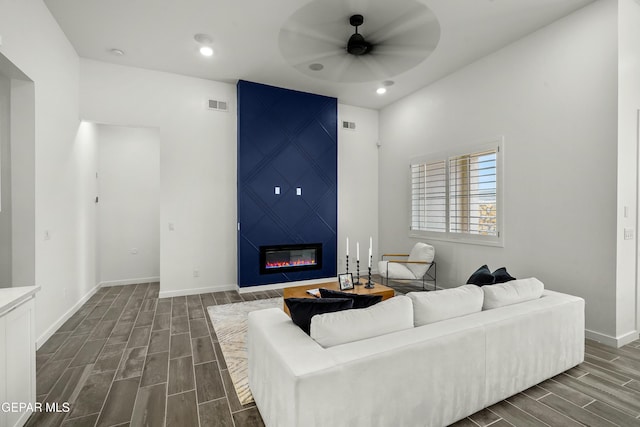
[370, 245]
[347, 246]
[357, 251]
[369, 261]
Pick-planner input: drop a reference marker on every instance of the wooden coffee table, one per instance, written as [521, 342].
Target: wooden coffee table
[301, 291]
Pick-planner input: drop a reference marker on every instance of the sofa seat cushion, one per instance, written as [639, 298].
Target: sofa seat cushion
[359, 300]
[303, 309]
[396, 270]
[512, 292]
[430, 307]
[331, 329]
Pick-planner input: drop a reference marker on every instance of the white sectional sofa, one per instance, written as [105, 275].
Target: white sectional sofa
[431, 375]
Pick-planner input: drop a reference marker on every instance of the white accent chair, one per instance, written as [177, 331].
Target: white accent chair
[418, 265]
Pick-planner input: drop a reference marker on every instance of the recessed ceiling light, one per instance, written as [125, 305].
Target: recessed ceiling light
[381, 90]
[388, 83]
[116, 52]
[206, 51]
[203, 38]
[316, 67]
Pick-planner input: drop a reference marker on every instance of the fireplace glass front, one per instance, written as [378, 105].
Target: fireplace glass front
[286, 258]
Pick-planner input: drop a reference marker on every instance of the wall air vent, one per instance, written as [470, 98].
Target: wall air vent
[349, 125]
[218, 105]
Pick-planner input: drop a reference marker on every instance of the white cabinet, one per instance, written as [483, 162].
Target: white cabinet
[17, 358]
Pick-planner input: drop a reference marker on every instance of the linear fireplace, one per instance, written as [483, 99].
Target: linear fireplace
[287, 258]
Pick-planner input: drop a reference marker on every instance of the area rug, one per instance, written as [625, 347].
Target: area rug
[230, 324]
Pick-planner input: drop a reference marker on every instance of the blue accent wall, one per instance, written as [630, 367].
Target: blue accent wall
[287, 139]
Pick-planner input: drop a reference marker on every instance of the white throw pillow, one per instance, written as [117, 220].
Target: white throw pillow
[394, 314]
[430, 307]
[511, 292]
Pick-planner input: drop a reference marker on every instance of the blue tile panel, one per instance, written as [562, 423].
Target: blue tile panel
[286, 139]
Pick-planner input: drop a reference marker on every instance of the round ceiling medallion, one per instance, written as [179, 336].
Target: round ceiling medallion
[396, 36]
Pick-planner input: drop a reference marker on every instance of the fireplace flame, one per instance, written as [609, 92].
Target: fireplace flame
[292, 263]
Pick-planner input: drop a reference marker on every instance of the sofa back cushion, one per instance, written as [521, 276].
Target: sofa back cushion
[430, 307]
[511, 292]
[394, 314]
[303, 309]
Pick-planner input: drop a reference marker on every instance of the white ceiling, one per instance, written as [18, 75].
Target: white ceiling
[158, 35]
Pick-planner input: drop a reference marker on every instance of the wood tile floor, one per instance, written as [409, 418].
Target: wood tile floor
[129, 358]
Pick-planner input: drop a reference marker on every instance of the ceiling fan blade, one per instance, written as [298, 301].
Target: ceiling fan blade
[295, 45]
[396, 64]
[395, 50]
[414, 20]
[311, 58]
[310, 33]
[379, 69]
[338, 67]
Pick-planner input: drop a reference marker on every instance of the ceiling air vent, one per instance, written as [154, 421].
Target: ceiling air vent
[218, 105]
[349, 125]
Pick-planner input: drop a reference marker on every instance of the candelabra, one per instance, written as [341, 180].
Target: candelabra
[369, 284]
[358, 273]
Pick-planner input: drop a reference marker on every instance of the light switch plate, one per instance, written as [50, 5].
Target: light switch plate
[298, 191]
[276, 190]
[628, 234]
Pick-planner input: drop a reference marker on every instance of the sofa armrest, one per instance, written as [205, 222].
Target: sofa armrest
[393, 255]
[279, 355]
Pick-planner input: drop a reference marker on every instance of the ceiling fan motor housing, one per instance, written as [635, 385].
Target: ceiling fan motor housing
[356, 21]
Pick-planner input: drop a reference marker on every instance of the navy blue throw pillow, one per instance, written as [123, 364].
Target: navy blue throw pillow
[482, 277]
[359, 301]
[303, 309]
[502, 276]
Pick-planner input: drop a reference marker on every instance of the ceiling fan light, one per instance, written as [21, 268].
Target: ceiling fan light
[357, 45]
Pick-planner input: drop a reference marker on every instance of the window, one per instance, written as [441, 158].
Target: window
[456, 196]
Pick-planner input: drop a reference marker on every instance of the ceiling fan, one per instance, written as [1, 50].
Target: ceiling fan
[357, 45]
[330, 39]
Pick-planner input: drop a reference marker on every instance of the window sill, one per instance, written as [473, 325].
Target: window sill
[466, 240]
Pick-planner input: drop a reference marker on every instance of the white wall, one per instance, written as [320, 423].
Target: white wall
[5, 182]
[85, 150]
[627, 295]
[197, 165]
[357, 186]
[129, 204]
[32, 40]
[23, 177]
[553, 97]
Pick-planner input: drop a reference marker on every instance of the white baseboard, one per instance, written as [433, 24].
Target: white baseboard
[616, 342]
[286, 285]
[58, 323]
[195, 291]
[129, 281]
